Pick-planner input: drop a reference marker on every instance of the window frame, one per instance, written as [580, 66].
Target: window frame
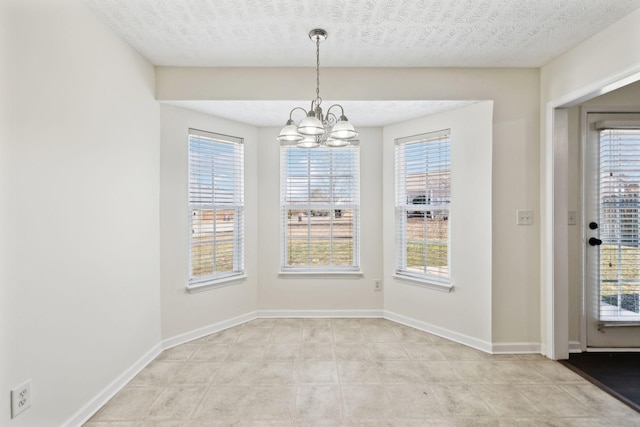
[287, 270]
[404, 207]
[236, 273]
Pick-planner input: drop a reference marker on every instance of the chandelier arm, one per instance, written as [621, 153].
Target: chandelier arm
[297, 108]
[331, 118]
[336, 105]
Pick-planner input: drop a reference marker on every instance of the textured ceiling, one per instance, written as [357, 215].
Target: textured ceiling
[363, 33]
[367, 33]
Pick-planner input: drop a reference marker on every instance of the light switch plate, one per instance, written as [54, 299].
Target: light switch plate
[525, 217]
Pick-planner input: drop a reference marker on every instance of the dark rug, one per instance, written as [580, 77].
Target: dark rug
[616, 373]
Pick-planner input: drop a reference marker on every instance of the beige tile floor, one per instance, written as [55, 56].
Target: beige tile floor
[353, 372]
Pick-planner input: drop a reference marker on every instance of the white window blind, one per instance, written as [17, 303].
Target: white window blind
[423, 197]
[216, 206]
[320, 203]
[619, 193]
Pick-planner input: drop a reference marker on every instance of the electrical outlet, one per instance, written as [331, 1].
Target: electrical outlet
[378, 284]
[525, 217]
[20, 399]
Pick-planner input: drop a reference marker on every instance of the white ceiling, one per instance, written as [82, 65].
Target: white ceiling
[363, 33]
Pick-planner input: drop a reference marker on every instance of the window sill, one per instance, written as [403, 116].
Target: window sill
[217, 283]
[320, 274]
[425, 283]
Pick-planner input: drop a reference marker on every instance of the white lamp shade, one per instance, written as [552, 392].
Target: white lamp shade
[289, 133]
[308, 142]
[332, 142]
[310, 125]
[343, 130]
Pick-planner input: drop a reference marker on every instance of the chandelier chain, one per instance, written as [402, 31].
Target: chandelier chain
[317, 67]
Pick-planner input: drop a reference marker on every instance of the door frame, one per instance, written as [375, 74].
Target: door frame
[554, 227]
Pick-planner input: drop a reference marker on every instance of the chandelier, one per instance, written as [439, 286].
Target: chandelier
[316, 128]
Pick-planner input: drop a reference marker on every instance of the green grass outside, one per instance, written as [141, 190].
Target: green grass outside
[336, 252]
[436, 255]
[618, 265]
[325, 252]
[339, 252]
[202, 259]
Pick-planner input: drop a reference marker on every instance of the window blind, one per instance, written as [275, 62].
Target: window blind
[619, 193]
[320, 203]
[216, 206]
[423, 198]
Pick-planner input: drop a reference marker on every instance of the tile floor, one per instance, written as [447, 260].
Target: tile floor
[352, 372]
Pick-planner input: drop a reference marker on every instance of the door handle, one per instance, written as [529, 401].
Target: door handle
[594, 241]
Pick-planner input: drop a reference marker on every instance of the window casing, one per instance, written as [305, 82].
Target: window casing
[216, 207]
[320, 208]
[423, 198]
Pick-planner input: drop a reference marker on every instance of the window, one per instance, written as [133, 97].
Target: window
[216, 206]
[319, 199]
[423, 196]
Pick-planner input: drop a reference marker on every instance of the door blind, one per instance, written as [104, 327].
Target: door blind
[216, 206]
[619, 199]
[423, 197]
[320, 203]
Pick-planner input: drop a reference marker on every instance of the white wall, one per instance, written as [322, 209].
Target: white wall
[607, 56]
[470, 226]
[183, 312]
[80, 190]
[6, 214]
[326, 293]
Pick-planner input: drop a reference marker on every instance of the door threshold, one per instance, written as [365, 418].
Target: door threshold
[617, 324]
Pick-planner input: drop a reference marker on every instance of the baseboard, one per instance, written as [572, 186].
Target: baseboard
[273, 314]
[437, 330]
[575, 347]
[516, 348]
[207, 330]
[88, 410]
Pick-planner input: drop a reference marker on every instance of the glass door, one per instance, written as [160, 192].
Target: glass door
[612, 195]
